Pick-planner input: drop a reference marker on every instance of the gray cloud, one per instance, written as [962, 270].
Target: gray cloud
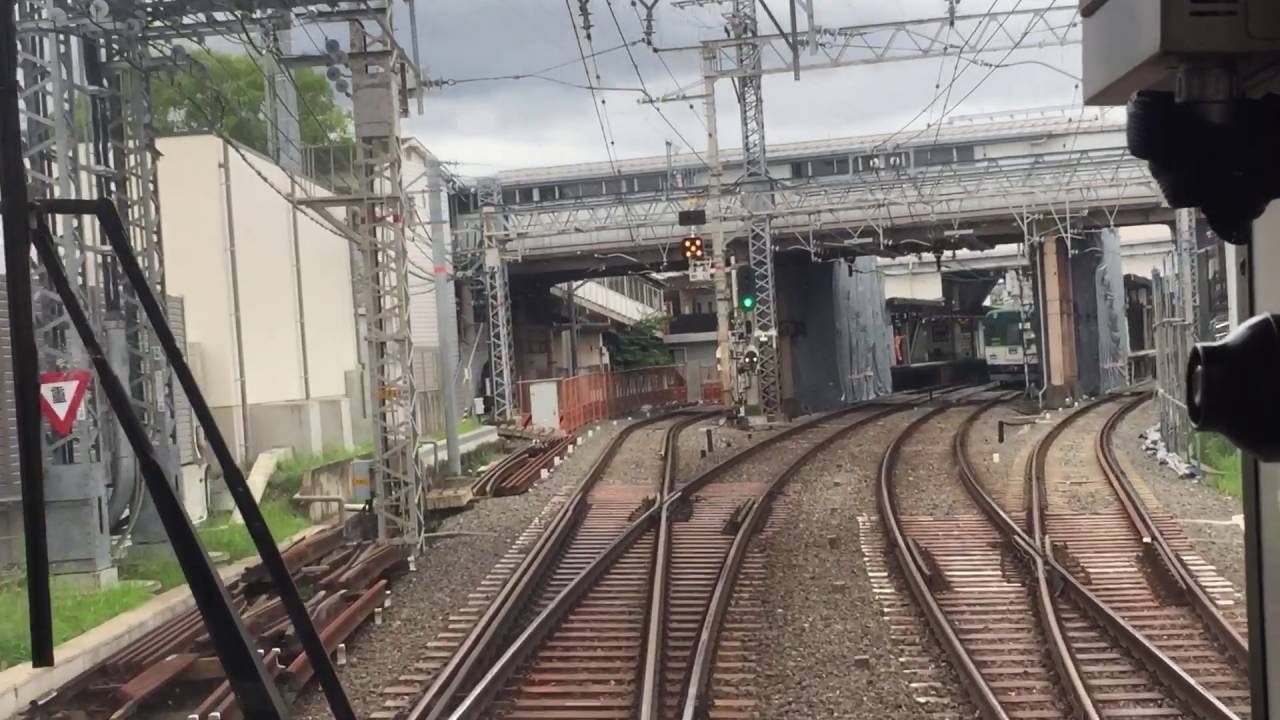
[493, 125]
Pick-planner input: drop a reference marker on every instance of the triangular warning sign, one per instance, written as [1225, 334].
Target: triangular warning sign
[60, 396]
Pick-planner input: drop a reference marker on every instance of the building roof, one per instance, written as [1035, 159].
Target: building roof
[966, 129]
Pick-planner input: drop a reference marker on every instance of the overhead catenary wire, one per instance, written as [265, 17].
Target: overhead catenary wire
[604, 133]
[640, 77]
[214, 129]
[697, 115]
[938, 96]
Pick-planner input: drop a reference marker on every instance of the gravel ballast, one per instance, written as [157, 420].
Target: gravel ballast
[448, 569]
[1206, 515]
[826, 650]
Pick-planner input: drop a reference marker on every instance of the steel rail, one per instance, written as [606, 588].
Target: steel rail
[696, 699]
[979, 690]
[493, 625]
[1184, 686]
[1047, 614]
[1151, 534]
[651, 673]
[526, 642]
[1037, 549]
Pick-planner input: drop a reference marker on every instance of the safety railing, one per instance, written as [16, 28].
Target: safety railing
[590, 398]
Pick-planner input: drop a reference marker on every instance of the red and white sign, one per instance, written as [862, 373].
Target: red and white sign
[60, 396]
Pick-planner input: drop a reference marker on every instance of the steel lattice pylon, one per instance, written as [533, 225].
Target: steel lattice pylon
[498, 302]
[49, 68]
[86, 106]
[384, 279]
[758, 201]
[136, 193]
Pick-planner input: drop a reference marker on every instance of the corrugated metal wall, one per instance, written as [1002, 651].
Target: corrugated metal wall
[8, 424]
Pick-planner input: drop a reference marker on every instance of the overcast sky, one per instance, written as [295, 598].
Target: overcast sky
[493, 125]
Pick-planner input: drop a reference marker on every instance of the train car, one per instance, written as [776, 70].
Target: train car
[1010, 356]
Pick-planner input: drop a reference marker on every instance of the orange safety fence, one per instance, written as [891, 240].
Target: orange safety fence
[712, 390]
[587, 399]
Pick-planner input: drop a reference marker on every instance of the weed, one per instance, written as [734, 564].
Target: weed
[1218, 453]
[74, 612]
[286, 480]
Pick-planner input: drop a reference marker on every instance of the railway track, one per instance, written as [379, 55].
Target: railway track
[1063, 612]
[172, 671]
[639, 603]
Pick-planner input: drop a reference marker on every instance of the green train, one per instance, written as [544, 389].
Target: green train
[1010, 356]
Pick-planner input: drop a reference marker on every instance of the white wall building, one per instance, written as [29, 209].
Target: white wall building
[270, 319]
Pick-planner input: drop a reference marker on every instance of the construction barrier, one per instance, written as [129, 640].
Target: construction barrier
[587, 399]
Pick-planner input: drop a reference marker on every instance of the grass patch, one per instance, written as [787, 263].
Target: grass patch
[1222, 456]
[468, 424]
[286, 480]
[164, 570]
[218, 534]
[74, 612]
[479, 459]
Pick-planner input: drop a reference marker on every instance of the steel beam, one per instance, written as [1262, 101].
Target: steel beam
[384, 280]
[26, 363]
[758, 202]
[498, 303]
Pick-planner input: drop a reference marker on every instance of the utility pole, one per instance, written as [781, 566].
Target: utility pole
[719, 248]
[446, 317]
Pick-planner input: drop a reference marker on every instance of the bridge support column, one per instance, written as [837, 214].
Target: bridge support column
[1058, 353]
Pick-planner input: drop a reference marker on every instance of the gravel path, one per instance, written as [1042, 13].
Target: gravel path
[1073, 476]
[820, 610]
[1205, 513]
[925, 478]
[448, 569]
[639, 460]
[1005, 479]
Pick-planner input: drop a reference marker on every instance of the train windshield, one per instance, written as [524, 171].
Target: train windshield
[1000, 329]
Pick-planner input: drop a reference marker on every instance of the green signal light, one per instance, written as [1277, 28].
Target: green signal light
[748, 302]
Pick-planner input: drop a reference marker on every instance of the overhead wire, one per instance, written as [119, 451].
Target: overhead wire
[640, 77]
[600, 118]
[215, 129]
[666, 66]
[938, 96]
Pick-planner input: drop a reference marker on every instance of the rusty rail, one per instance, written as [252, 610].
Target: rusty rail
[1036, 549]
[173, 661]
[1170, 561]
[696, 697]
[485, 638]
[979, 690]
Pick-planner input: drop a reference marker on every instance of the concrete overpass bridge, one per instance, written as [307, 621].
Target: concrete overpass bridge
[971, 184]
